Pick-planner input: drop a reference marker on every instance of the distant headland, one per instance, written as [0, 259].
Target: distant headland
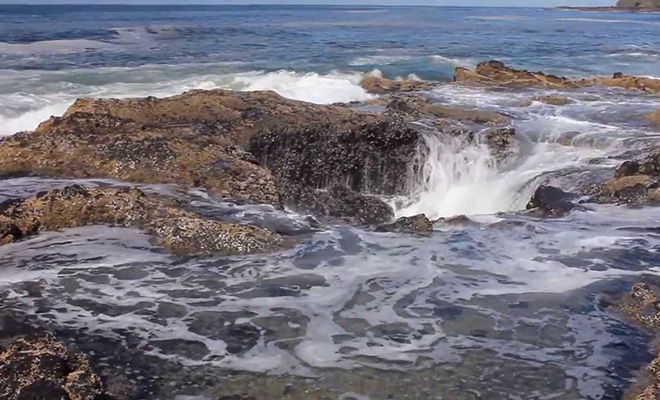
[623, 5]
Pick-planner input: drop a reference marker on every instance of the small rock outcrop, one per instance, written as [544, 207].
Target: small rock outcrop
[415, 224]
[43, 368]
[496, 73]
[380, 85]
[179, 230]
[634, 183]
[551, 202]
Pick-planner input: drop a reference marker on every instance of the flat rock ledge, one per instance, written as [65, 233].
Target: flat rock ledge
[43, 368]
[178, 230]
[496, 73]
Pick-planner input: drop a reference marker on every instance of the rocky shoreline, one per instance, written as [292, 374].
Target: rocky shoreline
[336, 163]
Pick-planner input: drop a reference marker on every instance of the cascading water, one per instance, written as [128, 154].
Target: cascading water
[462, 177]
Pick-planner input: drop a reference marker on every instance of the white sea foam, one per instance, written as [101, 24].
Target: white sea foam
[30, 119]
[312, 87]
[457, 62]
[51, 93]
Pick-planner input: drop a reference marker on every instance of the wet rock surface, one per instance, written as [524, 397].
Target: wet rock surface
[549, 201]
[635, 182]
[380, 85]
[254, 146]
[374, 158]
[415, 224]
[177, 229]
[43, 368]
[553, 100]
[642, 305]
[496, 73]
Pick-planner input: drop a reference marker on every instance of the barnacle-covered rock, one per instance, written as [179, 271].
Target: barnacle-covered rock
[177, 229]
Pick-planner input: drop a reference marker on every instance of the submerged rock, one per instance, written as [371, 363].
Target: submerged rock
[654, 119]
[549, 201]
[553, 100]
[43, 368]
[418, 224]
[496, 73]
[177, 229]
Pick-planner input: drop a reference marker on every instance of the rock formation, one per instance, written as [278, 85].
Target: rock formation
[642, 306]
[635, 182]
[255, 146]
[417, 224]
[549, 201]
[179, 230]
[495, 73]
[43, 368]
[380, 85]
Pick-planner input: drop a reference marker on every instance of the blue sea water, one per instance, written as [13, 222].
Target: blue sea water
[51, 54]
[504, 306]
[401, 40]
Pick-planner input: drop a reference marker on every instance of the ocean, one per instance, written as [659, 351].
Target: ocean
[508, 306]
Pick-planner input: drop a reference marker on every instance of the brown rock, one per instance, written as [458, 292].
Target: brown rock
[202, 138]
[379, 85]
[418, 224]
[179, 230]
[43, 368]
[498, 74]
[617, 184]
[495, 73]
[642, 306]
[466, 115]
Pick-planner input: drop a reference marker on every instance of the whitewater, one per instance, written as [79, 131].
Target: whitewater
[494, 304]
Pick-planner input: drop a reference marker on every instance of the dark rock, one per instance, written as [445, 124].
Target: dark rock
[418, 223]
[341, 202]
[374, 158]
[628, 168]
[43, 368]
[549, 201]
